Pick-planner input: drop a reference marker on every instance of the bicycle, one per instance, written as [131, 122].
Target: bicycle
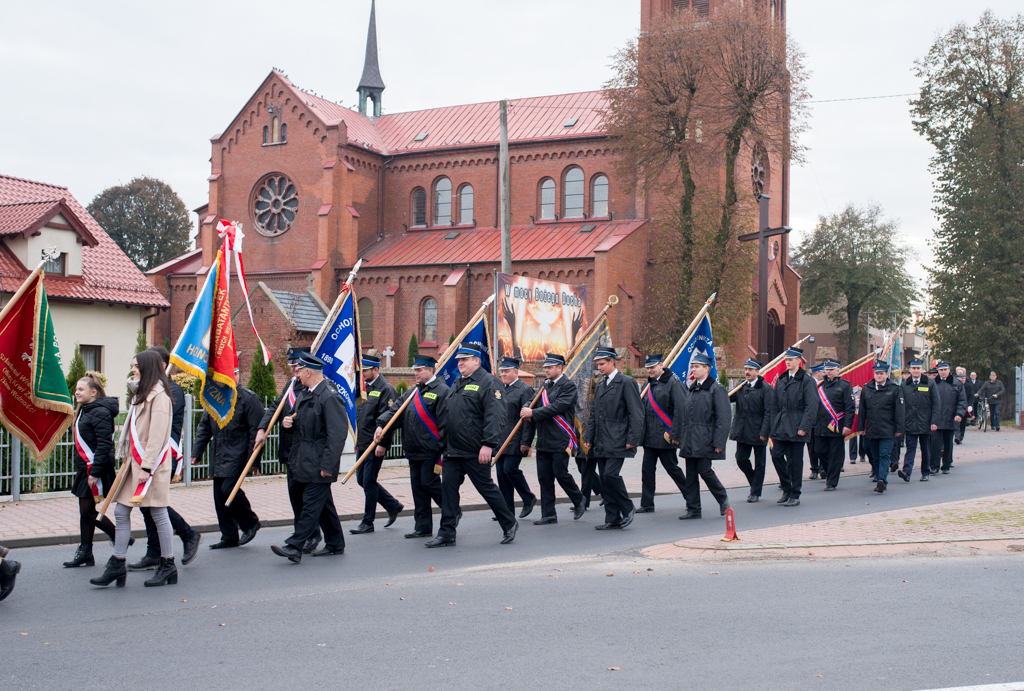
[981, 415]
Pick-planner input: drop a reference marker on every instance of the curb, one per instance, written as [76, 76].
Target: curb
[849, 543]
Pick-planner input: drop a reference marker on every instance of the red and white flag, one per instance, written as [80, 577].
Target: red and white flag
[232, 235]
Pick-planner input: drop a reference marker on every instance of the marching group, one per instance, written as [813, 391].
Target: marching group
[451, 433]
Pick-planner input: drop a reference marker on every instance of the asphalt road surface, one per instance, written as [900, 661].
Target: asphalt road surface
[540, 613]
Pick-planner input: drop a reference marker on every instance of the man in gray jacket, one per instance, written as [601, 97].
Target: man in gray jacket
[794, 412]
[706, 425]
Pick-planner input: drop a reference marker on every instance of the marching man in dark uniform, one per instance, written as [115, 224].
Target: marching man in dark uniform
[817, 464]
[320, 424]
[706, 421]
[881, 419]
[517, 396]
[751, 425]
[476, 419]
[921, 414]
[555, 420]
[290, 394]
[379, 396]
[835, 417]
[793, 415]
[952, 409]
[615, 429]
[422, 426]
[663, 428]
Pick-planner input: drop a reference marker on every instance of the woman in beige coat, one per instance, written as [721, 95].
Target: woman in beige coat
[149, 461]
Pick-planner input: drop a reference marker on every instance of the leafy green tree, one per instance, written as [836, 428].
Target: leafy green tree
[401, 387]
[854, 261]
[261, 377]
[77, 370]
[140, 341]
[414, 349]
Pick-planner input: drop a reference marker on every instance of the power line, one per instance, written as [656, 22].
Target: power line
[512, 105]
[860, 98]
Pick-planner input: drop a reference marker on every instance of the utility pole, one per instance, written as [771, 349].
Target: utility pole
[506, 194]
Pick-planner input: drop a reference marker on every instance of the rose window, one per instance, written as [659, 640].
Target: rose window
[275, 203]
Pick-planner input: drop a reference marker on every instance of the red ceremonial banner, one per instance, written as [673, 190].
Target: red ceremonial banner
[859, 376]
[223, 356]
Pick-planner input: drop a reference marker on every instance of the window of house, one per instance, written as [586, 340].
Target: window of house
[57, 265]
[266, 134]
[466, 205]
[599, 197]
[93, 357]
[419, 207]
[284, 133]
[188, 310]
[429, 320]
[573, 206]
[365, 321]
[547, 200]
[443, 202]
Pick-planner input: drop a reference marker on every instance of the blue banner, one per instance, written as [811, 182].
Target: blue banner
[340, 350]
[478, 335]
[700, 342]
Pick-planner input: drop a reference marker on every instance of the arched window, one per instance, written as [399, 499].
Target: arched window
[284, 133]
[573, 201]
[599, 197]
[547, 200]
[188, 310]
[275, 130]
[466, 205]
[419, 207]
[365, 321]
[429, 320]
[266, 134]
[443, 202]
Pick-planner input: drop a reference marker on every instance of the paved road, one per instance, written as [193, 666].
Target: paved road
[336, 621]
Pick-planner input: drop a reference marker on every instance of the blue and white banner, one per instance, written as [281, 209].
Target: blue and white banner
[449, 371]
[700, 342]
[340, 350]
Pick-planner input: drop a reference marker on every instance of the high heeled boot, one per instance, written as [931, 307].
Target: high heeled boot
[83, 557]
[166, 573]
[116, 571]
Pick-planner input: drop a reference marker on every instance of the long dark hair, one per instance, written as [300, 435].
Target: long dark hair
[151, 371]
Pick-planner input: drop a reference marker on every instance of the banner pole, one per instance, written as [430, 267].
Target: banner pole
[776, 360]
[674, 353]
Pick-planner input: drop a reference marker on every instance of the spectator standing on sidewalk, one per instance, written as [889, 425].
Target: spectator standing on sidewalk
[992, 391]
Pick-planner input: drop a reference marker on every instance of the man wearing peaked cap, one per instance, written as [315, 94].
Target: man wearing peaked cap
[952, 409]
[664, 405]
[881, 419]
[706, 420]
[921, 411]
[793, 415]
[834, 423]
[516, 395]
[751, 425]
[817, 466]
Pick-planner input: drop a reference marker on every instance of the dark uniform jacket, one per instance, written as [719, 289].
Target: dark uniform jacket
[990, 390]
[285, 438]
[882, 414]
[318, 434]
[969, 394]
[476, 415]
[670, 395]
[235, 441]
[921, 403]
[795, 406]
[417, 441]
[517, 396]
[753, 413]
[96, 425]
[616, 418]
[380, 395]
[952, 401]
[177, 411]
[706, 420]
[562, 397]
[840, 394]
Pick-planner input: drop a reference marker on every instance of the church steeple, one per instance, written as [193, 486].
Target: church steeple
[371, 85]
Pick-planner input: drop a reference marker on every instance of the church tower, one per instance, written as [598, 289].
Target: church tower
[371, 85]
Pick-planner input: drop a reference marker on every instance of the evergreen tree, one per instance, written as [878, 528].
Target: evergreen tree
[414, 349]
[261, 377]
[77, 370]
[140, 341]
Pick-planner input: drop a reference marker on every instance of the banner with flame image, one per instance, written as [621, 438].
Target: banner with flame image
[536, 317]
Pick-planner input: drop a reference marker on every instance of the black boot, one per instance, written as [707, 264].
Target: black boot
[166, 573]
[8, 572]
[83, 557]
[116, 571]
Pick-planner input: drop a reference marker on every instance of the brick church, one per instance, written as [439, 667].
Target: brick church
[415, 195]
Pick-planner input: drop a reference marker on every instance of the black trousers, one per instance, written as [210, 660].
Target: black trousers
[812, 455]
[426, 487]
[375, 493]
[993, 410]
[925, 441]
[830, 455]
[894, 457]
[788, 458]
[89, 519]
[232, 518]
[589, 479]
[317, 510]
[617, 503]
[697, 468]
[181, 529]
[512, 480]
[962, 428]
[755, 474]
[551, 467]
[942, 449]
[295, 499]
[454, 472]
[649, 471]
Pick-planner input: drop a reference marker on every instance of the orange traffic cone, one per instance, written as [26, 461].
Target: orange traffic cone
[730, 527]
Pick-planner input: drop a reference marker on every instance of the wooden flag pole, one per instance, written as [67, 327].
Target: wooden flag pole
[771, 364]
[674, 353]
[280, 406]
[449, 351]
[612, 301]
[856, 363]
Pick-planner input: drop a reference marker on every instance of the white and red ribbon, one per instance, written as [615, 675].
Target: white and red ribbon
[232, 235]
[90, 456]
[139, 454]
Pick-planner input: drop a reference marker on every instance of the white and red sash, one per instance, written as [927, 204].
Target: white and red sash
[89, 456]
[290, 395]
[562, 423]
[139, 454]
[177, 459]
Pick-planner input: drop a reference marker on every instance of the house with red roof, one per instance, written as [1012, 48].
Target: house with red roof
[98, 298]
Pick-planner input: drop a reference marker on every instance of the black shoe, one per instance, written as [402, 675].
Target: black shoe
[830, 488]
[945, 471]
[361, 528]
[442, 542]
[753, 499]
[783, 499]
[872, 478]
[83, 557]
[924, 478]
[935, 470]
[293, 554]
[608, 526]
[494, 518]
[223, 544]
[9, 573]
[903, 476]
[957, 440]
[510, 534]
[327, 551]
[853, 460]
[528, 507]
[814, 475]
[393, 515]
[578, 511]
[191, 548]
[116, 571]
[248, 535]
[629, 518]
[147, 563]
[645, 509]
[418, 533]
[688, 515]
[546, 520]
[793, 501]
[309, 545]
[880, 486]
[166, 574]
[724, 506]
[458, 518]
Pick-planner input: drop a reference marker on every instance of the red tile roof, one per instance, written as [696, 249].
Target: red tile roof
[184, 264]
[529, 243]
[108, 275]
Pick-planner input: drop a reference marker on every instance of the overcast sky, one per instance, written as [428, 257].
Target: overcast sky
[100, 92]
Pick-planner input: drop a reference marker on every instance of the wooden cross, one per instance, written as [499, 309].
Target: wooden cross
[762, 236]
[388, 353]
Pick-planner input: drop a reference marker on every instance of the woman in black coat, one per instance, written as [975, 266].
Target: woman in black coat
[94, 459]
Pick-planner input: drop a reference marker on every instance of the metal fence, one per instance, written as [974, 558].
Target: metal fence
[21, 474]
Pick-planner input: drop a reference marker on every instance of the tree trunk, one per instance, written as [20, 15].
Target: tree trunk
[734, 140]
[852, 322]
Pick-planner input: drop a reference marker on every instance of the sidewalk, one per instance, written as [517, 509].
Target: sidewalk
[45, 519]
